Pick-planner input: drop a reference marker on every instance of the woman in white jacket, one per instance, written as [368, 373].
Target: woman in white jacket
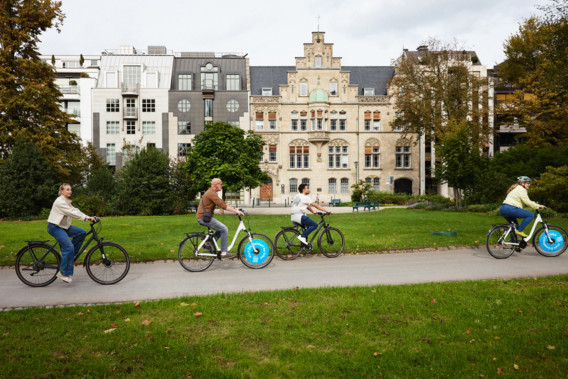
[59, 226]
[517, 199]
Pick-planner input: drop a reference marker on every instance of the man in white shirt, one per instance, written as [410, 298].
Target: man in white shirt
[300, 204]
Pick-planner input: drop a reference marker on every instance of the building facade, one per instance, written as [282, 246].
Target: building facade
[328, 125]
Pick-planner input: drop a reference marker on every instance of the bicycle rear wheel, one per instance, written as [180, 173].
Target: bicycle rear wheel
[495, 242]
[37, 265]
[107, 263]
[287, 245]
[553, 247]
[187, 254]
[259, 254]
[331, 242]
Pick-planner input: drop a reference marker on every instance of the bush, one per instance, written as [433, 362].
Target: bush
[92, 205]
[552, 189]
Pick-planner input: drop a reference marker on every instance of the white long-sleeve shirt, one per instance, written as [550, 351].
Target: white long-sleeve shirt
[62, 213]
[519, 198]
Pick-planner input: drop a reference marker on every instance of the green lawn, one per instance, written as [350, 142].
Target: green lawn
[157, 237]
[516, 328]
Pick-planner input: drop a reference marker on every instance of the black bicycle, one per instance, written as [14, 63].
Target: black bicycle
[37, 264]
[330, 240]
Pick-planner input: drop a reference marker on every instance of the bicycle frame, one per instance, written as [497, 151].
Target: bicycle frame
[94, 237]
[538, 220]
[208, 237]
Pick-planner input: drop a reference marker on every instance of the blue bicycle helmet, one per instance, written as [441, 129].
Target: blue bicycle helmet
[524, 179]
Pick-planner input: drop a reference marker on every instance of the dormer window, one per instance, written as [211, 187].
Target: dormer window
[369, 92]
[266, 91]
[332, 88]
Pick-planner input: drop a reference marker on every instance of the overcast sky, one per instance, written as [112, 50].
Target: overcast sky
[364, 32]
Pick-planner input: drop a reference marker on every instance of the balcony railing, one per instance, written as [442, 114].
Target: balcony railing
[73, 112]
[319, 136]
[130, 89]
[130, 112]
[71, 90]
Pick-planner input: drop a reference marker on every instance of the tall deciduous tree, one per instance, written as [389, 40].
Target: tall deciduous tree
[28, 95]
[226, 152]
[537, 61]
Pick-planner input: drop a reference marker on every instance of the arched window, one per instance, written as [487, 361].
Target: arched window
[344, 185]
[332, 185]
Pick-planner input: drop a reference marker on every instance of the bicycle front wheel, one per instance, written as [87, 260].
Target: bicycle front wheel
[496, 244]
[331, 242]
[287, 245]
[553, 246]
[257, 254]
[188, 258]
[37, 265]
[107, 263]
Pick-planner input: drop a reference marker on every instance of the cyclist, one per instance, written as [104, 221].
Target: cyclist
[517, 198]
[59, 226]
[300, 204]
[208, 202]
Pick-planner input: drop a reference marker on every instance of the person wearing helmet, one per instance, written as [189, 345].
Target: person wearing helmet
[518, 198]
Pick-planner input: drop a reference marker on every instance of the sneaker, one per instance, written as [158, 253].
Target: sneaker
[302, 240]
[66, 279]
[522, 234]
[225, 255]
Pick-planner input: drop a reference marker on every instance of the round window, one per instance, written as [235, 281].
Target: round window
[184, 105]
[209, 66]
[232, 105]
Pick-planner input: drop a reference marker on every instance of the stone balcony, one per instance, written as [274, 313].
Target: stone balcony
[318, 136]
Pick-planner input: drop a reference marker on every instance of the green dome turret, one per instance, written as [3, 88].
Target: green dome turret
[318, 95]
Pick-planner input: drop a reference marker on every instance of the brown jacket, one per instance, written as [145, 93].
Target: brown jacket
[210, 200]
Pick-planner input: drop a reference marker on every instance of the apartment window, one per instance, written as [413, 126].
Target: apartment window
[183, 149]
[367, 121]
[148, 127]
[232, 105]
[293, 185]
[150, 145]
[131, 110]
[209, 77]
[131, 76]
[304, 121]
[148, 105]
[372, 157]
[272, 153]
[376, 121]
[184, 82]
[267, 91]
[332, 88]
[208, 107]
[319, 121]
[272, 120]
[318, 61]
[344, 185]
[369, 92]
[342, 121]
[184, 127]
[403, 157]
[303, 88]
[184, 105]
[113, 127]
[338, 157]
[259, 120]
[111, 154]
[294, 119]
[94, 62]
[113, 105]
[332, 185]
[233, 82]
[300, 157]
[130, 127]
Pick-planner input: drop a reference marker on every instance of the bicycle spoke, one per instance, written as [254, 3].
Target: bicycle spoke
[331, 242]
[500, 242]
[37, 266]
[189, 257]
[107, 263]
[287, 245]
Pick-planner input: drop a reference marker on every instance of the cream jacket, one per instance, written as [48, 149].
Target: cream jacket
[519, 198]
[62, 212]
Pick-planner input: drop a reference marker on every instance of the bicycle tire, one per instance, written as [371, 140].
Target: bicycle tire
[286, 244]
[43, 271]
[187, 257]
[542, 245]
[494, 242]
[261, 255]
[112, 268]
[333, 243]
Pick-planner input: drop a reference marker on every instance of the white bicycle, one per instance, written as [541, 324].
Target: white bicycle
[549, 240]
[198, 250]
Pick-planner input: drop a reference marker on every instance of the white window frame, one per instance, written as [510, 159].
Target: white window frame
[266, 91]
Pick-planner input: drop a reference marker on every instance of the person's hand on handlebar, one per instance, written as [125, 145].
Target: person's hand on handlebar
[91, 219]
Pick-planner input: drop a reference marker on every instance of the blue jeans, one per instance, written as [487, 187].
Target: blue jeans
[68, 248]
[511, 213]
[311, 224]
[220, 228]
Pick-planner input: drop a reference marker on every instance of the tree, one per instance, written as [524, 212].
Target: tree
[28, 95]
[226, 152]
[537, 62]
[144, 184]
[550, 189]
[26, 182]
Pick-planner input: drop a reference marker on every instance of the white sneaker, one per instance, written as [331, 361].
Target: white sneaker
[302, 240]
[67, 279]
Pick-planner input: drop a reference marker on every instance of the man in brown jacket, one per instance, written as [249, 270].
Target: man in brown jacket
[210, 201]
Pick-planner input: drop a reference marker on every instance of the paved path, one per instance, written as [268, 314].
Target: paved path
[169, 280]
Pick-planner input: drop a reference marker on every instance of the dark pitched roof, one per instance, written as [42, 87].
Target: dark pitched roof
[363, 76]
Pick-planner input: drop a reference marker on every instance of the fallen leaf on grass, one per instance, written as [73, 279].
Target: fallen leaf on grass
[127, 320]
[166, 348]
[550, 347]
[311, 347]
[515, 366]
[137, 304]
[146, 322]
[171, 251]
[197, 314]
[376, 354]
[80, 313]
[471, 341]
[184, 304]
[468, 332]
[433, 301]
[193, 304]
[110, 330]
[499, 371]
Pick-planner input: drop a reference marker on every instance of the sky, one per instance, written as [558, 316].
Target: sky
[364, 32]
